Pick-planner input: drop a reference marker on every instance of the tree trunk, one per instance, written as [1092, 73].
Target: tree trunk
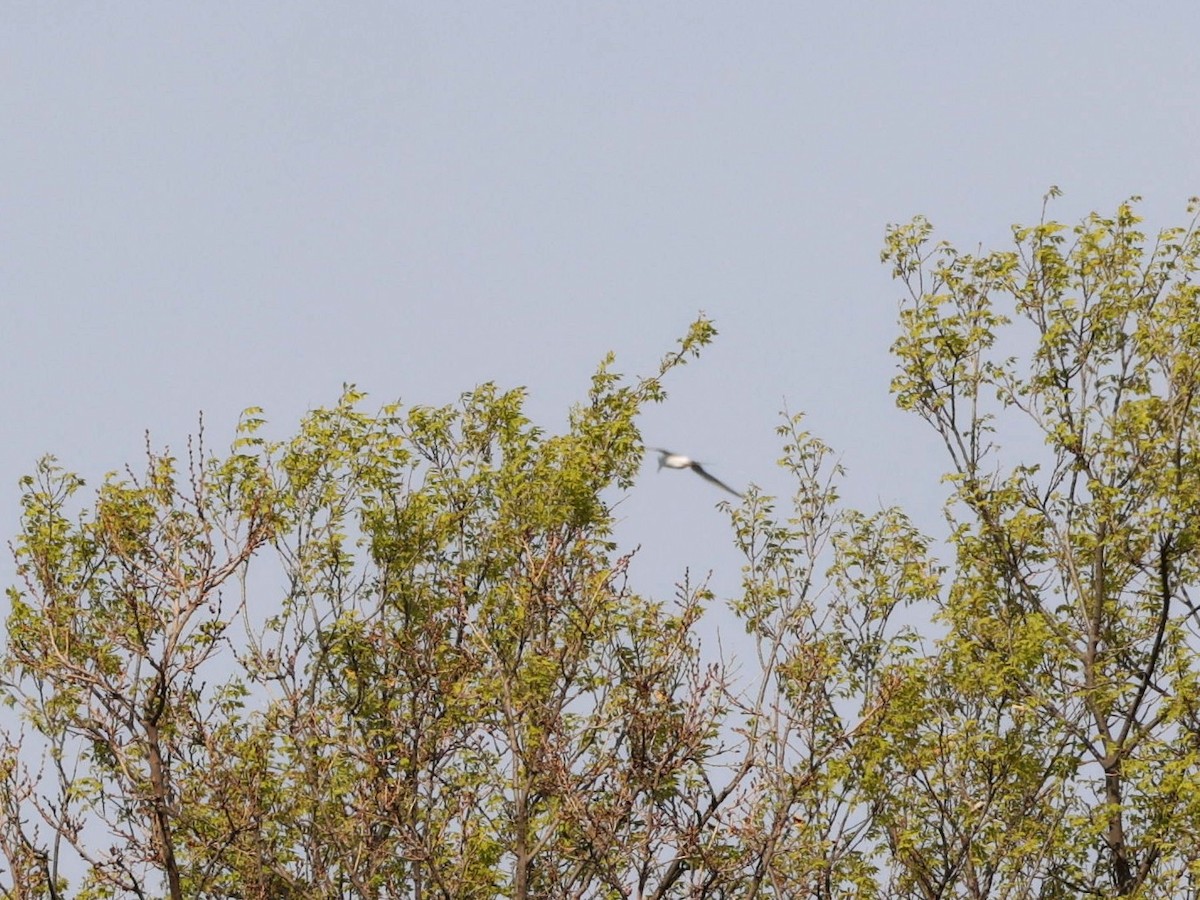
[1118, 848]
[160, 812]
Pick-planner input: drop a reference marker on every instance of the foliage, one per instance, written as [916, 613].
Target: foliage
[1056, 752]
[398, 655]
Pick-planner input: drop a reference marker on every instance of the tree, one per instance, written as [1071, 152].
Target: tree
[398, 655]
[444, 687]
[1053, 750]
[122, 615]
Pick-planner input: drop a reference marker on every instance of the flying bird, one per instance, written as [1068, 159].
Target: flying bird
[671, 460]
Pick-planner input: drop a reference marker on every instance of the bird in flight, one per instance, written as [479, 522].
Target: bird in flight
[671, 460]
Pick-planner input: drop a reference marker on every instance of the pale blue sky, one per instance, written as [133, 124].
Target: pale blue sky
[212, 206]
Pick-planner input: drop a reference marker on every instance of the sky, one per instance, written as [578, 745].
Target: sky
[211, 206]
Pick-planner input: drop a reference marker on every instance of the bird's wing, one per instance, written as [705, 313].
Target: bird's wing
[718, 482]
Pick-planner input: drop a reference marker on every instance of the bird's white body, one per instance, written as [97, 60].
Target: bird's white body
[669, 460]
[674, 460]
